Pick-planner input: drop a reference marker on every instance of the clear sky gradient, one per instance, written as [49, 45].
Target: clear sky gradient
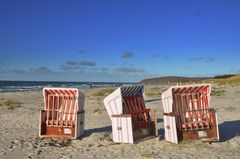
[118, 40]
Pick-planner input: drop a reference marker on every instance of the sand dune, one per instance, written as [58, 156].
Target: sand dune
[19, 132]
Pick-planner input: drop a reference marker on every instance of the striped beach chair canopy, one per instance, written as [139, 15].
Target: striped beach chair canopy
[63, 92]
[130, 118]
[187, 109]
[114, 102]
[132, 91]
[63, 108]
[169, 97]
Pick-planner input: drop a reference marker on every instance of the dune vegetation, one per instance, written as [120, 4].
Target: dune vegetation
[103, 92]
[10, 103]
[217, 92]
[154, 91]
[234, 80]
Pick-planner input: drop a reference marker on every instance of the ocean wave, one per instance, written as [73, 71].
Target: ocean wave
[23, 86]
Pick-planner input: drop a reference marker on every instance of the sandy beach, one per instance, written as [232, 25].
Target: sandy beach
[19, 130]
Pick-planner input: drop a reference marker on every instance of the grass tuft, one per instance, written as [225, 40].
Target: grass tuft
[97, 111]
[103, 92]
[11, 104]
[237, 92]
[153, 91]
[147, 154]
[217, 92]
[233, 80]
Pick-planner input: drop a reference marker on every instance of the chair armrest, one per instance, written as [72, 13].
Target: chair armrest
[142, 111]
[121, 115]
[212, 116]
[152, 115]
[170, 114]
[132, 114]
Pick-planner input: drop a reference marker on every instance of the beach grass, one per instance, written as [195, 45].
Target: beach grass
[103, 92]
[238, 92]
[217, 92]
[154, 91]
[147, 154]
[97, 111]
[11, 103]
[234, 80]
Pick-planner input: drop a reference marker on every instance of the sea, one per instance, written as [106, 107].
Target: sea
[22, 86]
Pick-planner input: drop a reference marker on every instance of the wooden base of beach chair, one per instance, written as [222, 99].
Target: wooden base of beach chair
[58, 132]
[61, 131]
[204, 135]
[210, 134]
[174, 134]
[131, 120]
[123, 132]
[187, 114]
[142, 133]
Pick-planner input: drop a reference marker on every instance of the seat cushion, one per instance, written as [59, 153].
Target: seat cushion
[195, 125]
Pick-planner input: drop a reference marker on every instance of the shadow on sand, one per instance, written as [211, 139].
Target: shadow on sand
[89, 132]
[161, 134]
[159, 120]
[152, 100]
[229, 129]
[161, 131]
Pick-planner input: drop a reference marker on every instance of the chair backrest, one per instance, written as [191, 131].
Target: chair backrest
[121, 100]
[61, 103]
[133, 104]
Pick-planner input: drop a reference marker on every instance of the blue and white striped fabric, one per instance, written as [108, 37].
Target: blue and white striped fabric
[132, 90]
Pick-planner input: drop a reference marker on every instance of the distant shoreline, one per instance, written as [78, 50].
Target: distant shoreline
[24, 86]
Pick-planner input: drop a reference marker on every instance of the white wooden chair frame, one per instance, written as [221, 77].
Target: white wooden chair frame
[123, 123]
[187, 114]
[63, 113]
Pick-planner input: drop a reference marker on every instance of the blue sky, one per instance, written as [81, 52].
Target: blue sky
[118, 40]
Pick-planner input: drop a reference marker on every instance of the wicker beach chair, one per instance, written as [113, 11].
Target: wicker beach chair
[130, 118]
[187, 114]
[63, 113]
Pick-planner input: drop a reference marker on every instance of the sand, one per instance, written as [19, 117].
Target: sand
[19, 132]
